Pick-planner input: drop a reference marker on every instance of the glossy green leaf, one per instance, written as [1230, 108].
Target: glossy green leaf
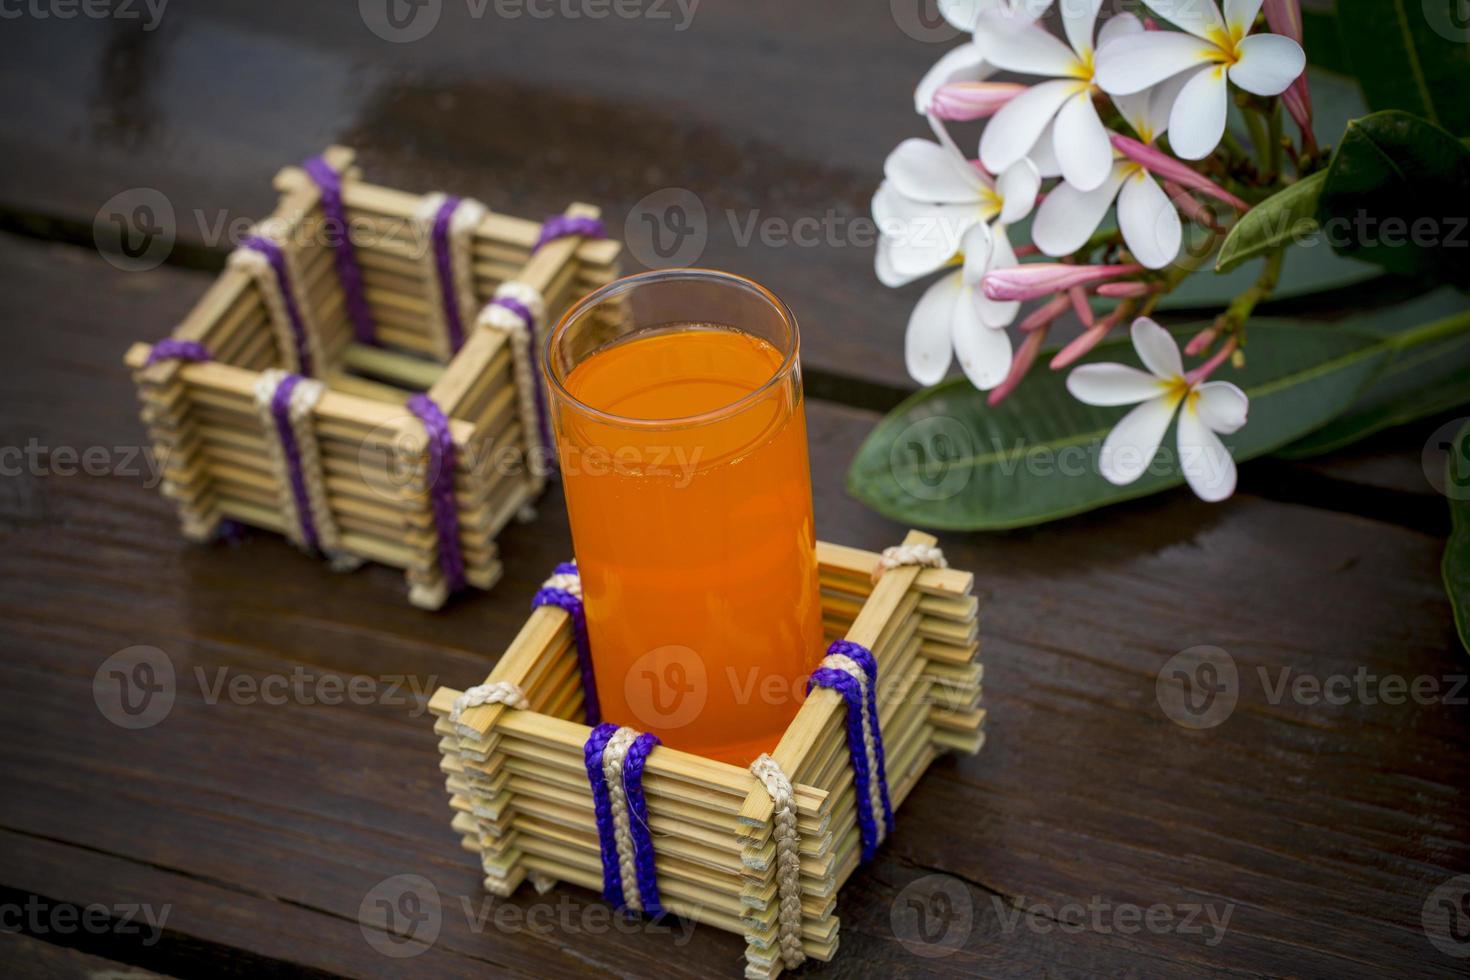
[1420, 380]
[1395, 196]
[1312, 268]
[1286, 218]
[1323, 42]
[1456, 564]
[1412, 55]
[944, 459]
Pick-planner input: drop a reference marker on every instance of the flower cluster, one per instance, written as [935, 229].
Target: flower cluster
[1126, 120]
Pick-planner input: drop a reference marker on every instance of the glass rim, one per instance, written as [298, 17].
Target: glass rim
[631, 282]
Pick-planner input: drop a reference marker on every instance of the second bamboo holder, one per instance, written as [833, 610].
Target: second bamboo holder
[522, 802]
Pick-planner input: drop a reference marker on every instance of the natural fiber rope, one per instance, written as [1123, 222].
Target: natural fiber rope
[518, 311]
[495, 692]
[277, 275]
[788, 858]
[507, 693]
[564, 590]
[349, 272]
[447, 224]
[849, 669]
[284, 403]
[909, 554]
[615, 758]
[612, 770]
[439, 485]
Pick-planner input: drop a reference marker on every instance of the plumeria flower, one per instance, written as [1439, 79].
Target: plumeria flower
[1147, 217]
[1064, 104]
[1215, 49]
[967, 63]
[1208, 408]
[934, 210]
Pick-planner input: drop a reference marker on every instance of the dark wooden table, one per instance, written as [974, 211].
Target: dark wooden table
[257, 830]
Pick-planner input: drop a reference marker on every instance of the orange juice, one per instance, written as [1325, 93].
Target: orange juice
[689, 494]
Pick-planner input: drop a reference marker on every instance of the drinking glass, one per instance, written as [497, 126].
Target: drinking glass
[676, 402]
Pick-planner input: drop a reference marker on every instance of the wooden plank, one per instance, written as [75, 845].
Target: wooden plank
[1324, 827]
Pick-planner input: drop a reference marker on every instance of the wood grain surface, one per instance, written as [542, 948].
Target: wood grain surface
[260, 831]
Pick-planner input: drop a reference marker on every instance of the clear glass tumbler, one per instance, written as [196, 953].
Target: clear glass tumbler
[676, 402]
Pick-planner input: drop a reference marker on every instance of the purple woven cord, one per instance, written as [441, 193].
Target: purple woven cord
[277, 259]
[573, 606]
[612, 878]
[529, 319]
[845, 684]
[441, 488]
[864, 658]
[329, 182]
[281, 412]
[444, 263]
[638, 818]
[169, 349]
[564, 225]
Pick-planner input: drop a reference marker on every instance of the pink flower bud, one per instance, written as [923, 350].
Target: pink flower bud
[965, 101]
[1044, 315]
[1126, 290]
[1158, 162]
[1285, 17]
[1025, 357]
[1023, 282]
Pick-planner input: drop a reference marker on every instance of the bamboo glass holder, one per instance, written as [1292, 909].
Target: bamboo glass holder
[212, 444]
[521, 798]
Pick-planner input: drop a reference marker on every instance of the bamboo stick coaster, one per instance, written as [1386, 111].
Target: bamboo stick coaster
[521, 797]
[360, 378]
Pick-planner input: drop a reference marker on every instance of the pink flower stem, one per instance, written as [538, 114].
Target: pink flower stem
[1128, 290]
[1202, 372]
[1189, 207]
[1089, 339]
[1201, 342]
[1043, 315]
[1080, 304]
[1159, 163]
[1020, 365]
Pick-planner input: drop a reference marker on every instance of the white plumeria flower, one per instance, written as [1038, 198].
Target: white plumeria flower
[931, 197]
[1063, 105]
[934, 210]
[1215, 49]
[967, 63]
[1148, 219]
[1209, 408]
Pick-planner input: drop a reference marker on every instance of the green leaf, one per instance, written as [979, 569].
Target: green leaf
[1421, 379]
[1395, 196]
[1323, 42]
[945, 459]
[1411, 55]
[1310, 270]
[1456, 564]
[1286, 217]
